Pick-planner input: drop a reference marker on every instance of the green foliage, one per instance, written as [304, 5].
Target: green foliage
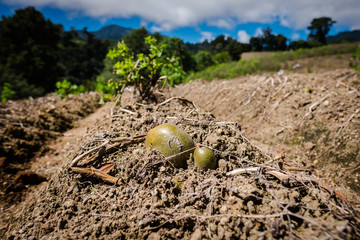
[29, 50]
[203, 60]
[222, 57]
[142, 72]
[36, 53]
[355, 59]
[271, 62]
[135, 41]
[7, 93]
[268, 41]
[65, 88]
[176, 47]
[319, 28]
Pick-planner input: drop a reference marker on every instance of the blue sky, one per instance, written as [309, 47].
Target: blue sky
[196, 21]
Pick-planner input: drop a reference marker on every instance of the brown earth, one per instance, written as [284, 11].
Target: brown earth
[314, 119]
[26, 127]
[305, 124]
[150, 199]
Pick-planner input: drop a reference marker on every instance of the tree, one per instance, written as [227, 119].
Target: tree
[29, 52]
[82, 59]
[203, 60]
[294, 45]
[256, 44]
[135, 41]
[280, 42]
[176, 47]
[319, 28]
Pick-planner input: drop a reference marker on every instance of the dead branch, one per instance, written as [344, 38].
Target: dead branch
[175, 98]
[119, 141]
[314, 105]
[103, 176]
[121, 110]
[78, 158]
[125, 141]
[346, 124]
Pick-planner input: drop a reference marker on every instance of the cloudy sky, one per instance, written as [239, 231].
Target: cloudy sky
[197, 20]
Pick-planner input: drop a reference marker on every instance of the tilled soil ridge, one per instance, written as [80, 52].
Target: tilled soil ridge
[26, 126]
[153, 200]
[313, 119]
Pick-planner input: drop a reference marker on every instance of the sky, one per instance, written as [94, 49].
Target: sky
[197, 20]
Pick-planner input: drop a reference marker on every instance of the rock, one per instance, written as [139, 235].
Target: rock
[154, 236]
[224, 221]
[309, 146]
[223, 209]
[196, 235]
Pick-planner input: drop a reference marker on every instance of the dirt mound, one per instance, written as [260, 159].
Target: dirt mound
[150, 199]
[25, 127]
[313, 119]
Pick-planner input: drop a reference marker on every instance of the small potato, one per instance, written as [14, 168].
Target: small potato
[169, 140]
[204, 158]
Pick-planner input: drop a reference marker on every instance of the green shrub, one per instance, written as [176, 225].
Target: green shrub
[355, 59]
[272, 62]
[144, 71]
[66, 88]
[7, 92]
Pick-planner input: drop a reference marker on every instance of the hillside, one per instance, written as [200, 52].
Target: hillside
[111, 32]
[351, 36]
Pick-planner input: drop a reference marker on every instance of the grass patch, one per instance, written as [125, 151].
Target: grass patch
[269, 63]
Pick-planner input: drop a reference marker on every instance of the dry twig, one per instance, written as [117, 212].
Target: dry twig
[104, 176]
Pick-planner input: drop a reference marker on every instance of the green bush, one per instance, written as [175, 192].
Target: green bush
[355, 59]
[7, 92]
[66, 88]
[271, 62]
[222, 57]
[144, 71]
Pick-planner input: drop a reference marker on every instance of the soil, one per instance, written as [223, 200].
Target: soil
[313, 119]
[26, 129]
[300, 125]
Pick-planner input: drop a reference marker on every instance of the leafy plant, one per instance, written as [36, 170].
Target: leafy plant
[66, 88]
[355, 59]
[7, 93]
[143, 71]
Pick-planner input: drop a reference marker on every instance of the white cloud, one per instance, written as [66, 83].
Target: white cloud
[295, 36]
[226, 14]
[243, 36]
[222, 23]
[258, 32]
[206, 36]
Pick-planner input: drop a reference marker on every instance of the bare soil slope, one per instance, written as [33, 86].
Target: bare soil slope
[26, 127]
[150, 199]
[311, 119]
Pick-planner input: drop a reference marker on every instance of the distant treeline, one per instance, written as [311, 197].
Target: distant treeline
[36, 53]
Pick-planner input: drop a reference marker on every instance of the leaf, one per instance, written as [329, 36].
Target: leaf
[107, 167]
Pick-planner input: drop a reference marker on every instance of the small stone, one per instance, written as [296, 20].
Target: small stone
[213, 227]
[309, 146]
[196, 235]
[223, 209]
[154, 236]
[224, 221]
[223, 165]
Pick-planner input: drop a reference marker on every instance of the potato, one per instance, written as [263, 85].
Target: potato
[204, 158]
[169, 140]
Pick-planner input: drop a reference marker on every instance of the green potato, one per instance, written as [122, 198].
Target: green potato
[204, 158]
[170, 140]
